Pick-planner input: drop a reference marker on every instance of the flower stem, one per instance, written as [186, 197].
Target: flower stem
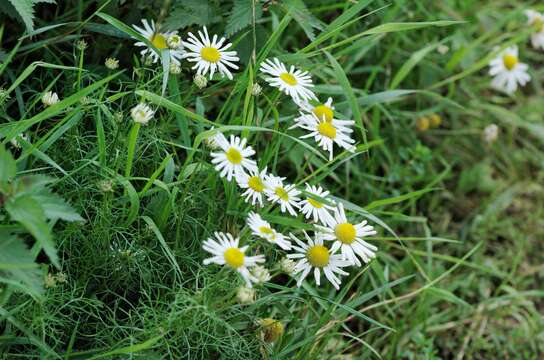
[131, 147]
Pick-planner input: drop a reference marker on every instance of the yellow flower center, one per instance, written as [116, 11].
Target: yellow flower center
[288, 79]
[324, 112]
[159, 41]
[509, 61]
[272, 329]
[327, 129]
[234, 156]
[256, 184]
[315, 203]
[267, 231]
[345, 233]
[282, 194]
[234, 257]
[318, 256]
[210, 54]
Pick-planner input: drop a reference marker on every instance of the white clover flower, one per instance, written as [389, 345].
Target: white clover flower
[536, 20]
[285, 195]
[174, 41]
[111, 63]
[314, 255]
[320, 211]
[256, 89]
[508, 71]
[245, 295]
[175, 69]
[349, 237]
[141, 114]
[200, 81]
[490, 133]
[225, 251]
[159, 40]
[294, 83]
[234, 158]
[327, 133]
[254, 185]
[262, 229]
[210, 56]
[261, 274]
[287, 265]
[50, 98]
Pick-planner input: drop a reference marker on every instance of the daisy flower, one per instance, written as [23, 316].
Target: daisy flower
[234, 159]
[225, 251]
[254, 185]
[319, 210]
[508, 71]
[141, 113]
[349, 237]
[327, 133]
[314, 255]
[294, 83]
[323, 111]
[285, 195]
[159, 40]
[262, 229]
[536, 20]
[211, 55]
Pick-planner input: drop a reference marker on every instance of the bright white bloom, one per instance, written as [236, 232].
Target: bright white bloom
[287, 265]
[261, 274]
[174, 41]
[234, 159]
[327, 133]
[323, 111]
[508, 71]
[225, 251]
[210, 56]
[50, 98]
[254, 185]
[312, 207]
[141, 114]
[536, 20]
[349, 238]
[294, 83]
[262, 229]
[314, 255]
[245, 295]
[111, 63]
[159, 40]
[285, 195]
[491, 133]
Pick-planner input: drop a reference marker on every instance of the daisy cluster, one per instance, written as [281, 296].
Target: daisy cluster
[337, 242]
[506, 68]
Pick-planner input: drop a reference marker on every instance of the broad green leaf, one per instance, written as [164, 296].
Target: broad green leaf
[56, 207]
[8, 168]
[242, 15]
[28, 212]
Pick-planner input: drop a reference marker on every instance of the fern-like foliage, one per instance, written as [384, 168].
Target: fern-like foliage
[22, 10]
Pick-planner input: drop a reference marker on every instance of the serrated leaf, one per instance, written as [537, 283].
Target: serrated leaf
[302, 15]
[190, 12]
[8, 167]
[242, 15]
[56, 207]
[25, 9]
[17, 264]
[29, 213]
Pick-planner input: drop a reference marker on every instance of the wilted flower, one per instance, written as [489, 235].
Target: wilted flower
[423, 123]
[200, 81]
[256, 89]
[271, 330]
[287, 265]
[106, 185]
[435, 120]
[81, 45]
[245, 295]
[174, 41]
[261, 274]
[175, 69]
[490, 133]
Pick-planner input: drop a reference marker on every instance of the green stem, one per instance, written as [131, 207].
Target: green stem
[131, 147]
